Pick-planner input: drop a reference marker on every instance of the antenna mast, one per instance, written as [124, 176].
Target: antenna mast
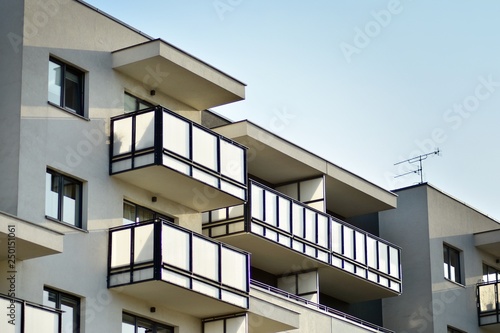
[418, 159]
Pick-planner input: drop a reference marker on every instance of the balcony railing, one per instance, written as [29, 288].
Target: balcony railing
[488, 303]
[320, 307]
[296, 226]
[159, 137]
[162, 251]
[25, 317]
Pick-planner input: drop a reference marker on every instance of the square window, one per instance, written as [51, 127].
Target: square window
[452, 270]
[66, 86]
[63, 198]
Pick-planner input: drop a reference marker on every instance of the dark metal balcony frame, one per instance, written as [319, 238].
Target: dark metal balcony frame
[159, 150]
[249, 219]
[494, 312]
[21, 317]
[157, 263]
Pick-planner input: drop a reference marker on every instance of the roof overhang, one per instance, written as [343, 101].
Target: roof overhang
[167, 69]
[278, 161]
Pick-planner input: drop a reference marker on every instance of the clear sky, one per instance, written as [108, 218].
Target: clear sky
[363, 84]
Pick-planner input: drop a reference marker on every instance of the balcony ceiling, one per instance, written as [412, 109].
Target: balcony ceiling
[489, 242]
[278, 161]
[279, 260]
[32, 240]
[183, 300]
[165, 68]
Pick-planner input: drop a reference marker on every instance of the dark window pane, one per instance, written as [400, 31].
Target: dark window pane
[73, 91]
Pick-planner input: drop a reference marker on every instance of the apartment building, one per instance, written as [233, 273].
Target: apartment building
[451, 261]
[127, 206]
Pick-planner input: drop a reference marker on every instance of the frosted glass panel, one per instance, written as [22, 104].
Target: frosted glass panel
[394, 262]
[311, 189]
[487, 298]
[310, 225]
[236, 211]
[205, 177]
[236, 325]
[214, 326]
[232, 189]
[205, 258]
[323, 230]
[271, 202]
[383, 260]
[4, 324]
[284, 214]
[257, 203]
[205, 148]
[175, 247]
[144, 130]
[371, 250]
[336, 237]
[232, 161]
[360, 247]
[120, 248]
[298, 220]
[348, 242]
[205, 289]
[122, 136]
[143, 243]
[40, 321]
[234, 269]
[176, 135]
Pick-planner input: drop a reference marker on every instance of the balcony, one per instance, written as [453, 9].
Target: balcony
[285, 235]
[177, 268]
[171, 156]
[26, 240]
[488, 306]
[25, 317]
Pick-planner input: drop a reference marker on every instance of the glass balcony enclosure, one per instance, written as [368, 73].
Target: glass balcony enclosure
[332, 245]
[25, 317]
[173, 266]
[488, 302]
[165, 153]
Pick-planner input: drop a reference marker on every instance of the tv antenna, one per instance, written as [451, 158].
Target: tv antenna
[418, 159]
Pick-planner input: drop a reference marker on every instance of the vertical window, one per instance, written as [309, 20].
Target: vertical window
[66, 86]
[70, 305]
[490, 274]
[133, 213]
[133, 324]
[63, 198]
[451, 258]
[132, 103]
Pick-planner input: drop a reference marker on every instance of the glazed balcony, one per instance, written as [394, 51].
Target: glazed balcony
[285, 235]
[180, 160]
[488, 304]
[21, 316]
[174, 267]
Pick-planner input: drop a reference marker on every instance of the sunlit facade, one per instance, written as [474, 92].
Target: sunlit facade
[128, 206]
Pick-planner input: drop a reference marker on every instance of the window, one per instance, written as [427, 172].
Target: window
[70, 305]
[454, 330]
[490, 274]
[133, 324]
[132, 103]
[451, 264]
[66, 86]
[63, 198]
[135, 213]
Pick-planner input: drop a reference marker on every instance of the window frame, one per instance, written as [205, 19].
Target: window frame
[486, 269]
[62, 298]
[80, 74]
[156, 215]
[60, 199]
[451, 329]
[448, 250]
[138, 102]
[154, 324]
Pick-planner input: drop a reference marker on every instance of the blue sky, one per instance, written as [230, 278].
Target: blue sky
[363, 84]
